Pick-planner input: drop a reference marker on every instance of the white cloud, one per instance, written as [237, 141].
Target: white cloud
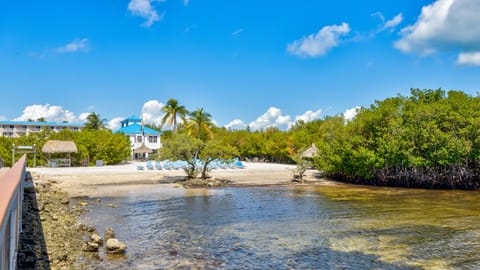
[315, 45]
[2, 118]
[115, 124]
[272, 118]
[309, 116]
[83, 116]
[469, 59]
[391, 24]
[77, 45]
[186, 2]
[47, 111]
[444, 25]
[152, 112]
[236, 124]
[237, 32]
[144, 9]
[349, 114]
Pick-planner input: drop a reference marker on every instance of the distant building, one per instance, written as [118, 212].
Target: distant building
[14, 129]
[141, 137]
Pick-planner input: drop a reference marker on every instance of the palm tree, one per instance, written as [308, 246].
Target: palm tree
[95, 122]
[172, 111]
[200, 121]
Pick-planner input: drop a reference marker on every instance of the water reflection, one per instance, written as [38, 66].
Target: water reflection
[338, 227]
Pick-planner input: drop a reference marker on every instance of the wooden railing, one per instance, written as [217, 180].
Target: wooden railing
[11, 204]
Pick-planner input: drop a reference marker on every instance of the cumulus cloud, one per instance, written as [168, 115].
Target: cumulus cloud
[349, 114]
[236, 124]
[83, 116]
[272, 118]
[145, 9]
[152, 112]
[444, 25]
[47, 111]
[309, 116]
[77, 45]
[469, 59]
[114, 124]
[315, 45]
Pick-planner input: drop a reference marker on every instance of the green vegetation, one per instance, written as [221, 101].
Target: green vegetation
[92, 145]
[429, 139]
[172, 111]
[95, 122]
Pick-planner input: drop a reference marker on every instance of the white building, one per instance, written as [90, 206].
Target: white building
[140, 136]
[14, 129]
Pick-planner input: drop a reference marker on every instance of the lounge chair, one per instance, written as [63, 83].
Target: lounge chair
[140, 168]
[158, 165]
[239, 164]
[149, 165]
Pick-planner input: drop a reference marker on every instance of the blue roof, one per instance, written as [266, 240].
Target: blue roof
[137, 129]
[35, 123]
[132, 119]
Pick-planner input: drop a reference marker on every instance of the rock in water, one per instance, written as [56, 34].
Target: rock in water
[109, 234]
[96, 239]
[115, 247]
[90, 247]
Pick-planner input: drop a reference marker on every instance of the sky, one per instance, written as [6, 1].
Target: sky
[247, 63]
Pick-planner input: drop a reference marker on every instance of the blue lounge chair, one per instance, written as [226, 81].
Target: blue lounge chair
[239, 164]
[158, 165]
[149, 165]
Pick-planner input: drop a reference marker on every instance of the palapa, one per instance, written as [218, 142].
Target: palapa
[142, 149]
[310, 152]
[54, 146]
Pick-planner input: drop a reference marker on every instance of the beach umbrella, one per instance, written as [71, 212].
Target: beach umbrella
[142, 149]
[310, 152]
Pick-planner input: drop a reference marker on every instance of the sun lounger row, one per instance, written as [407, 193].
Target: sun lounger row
[180, 164]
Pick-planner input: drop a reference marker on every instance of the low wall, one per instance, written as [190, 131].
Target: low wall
[11, 200]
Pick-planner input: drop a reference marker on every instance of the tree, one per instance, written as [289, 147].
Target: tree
[196, 153]
[183, 147]
[95, 122]
[200, 121]
[173, 111]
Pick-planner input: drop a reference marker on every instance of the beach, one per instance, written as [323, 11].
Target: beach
[113, 180]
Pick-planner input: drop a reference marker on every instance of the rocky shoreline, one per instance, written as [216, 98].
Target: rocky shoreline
[52, 236]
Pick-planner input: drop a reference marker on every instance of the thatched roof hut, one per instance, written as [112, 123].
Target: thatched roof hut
[310, 152]
[142, 149]
[52, 147]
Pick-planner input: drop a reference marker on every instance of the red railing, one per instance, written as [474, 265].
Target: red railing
[11, 204]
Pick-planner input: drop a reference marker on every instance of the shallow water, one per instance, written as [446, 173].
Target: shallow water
[324, 227]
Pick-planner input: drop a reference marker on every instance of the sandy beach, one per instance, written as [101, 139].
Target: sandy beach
[115, 179]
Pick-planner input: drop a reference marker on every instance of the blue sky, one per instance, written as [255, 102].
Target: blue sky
[260, 63]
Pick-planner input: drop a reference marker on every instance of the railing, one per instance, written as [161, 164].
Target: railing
[11, 204]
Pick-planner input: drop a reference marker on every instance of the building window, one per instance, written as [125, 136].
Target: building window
[153, 139]
[139, 139]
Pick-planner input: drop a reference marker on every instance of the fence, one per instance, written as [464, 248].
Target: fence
[11, 205]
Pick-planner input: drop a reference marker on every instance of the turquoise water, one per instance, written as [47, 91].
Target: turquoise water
[324, 227]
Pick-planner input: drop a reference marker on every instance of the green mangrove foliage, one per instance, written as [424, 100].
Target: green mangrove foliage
[429, 139]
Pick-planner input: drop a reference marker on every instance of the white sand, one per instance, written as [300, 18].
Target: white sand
[79, 181]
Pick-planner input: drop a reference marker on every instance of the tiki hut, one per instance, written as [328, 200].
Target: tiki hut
[59, 147]
[142, 149]
[310, 152]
